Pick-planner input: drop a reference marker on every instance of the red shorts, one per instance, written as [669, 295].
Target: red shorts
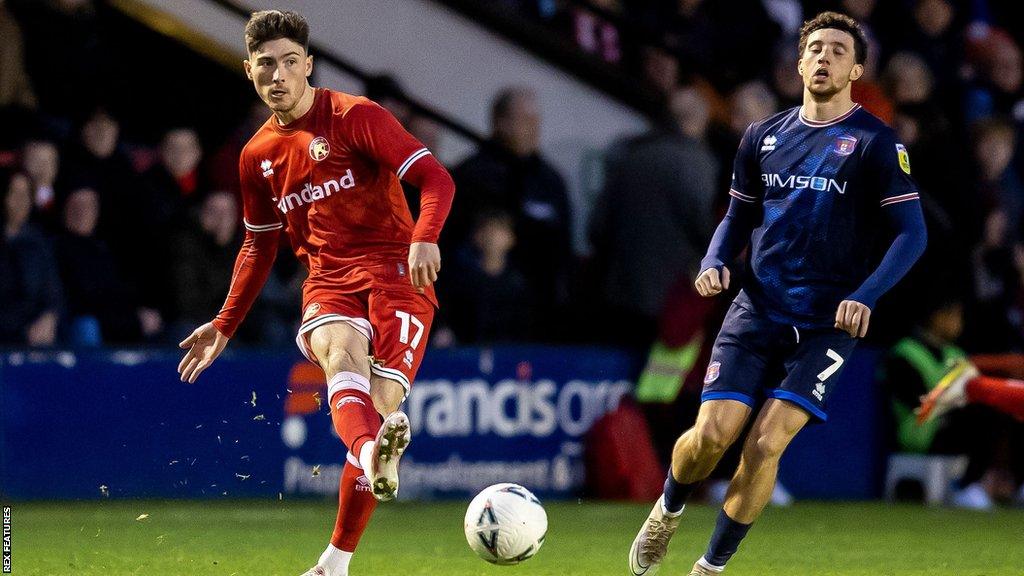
[395, 322]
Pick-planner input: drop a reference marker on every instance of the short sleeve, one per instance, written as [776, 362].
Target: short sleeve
[377, 134]
[746, 180]
[258, 211]
[889, 162]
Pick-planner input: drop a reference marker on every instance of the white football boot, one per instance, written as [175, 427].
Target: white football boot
[392, 440]
[651, 543]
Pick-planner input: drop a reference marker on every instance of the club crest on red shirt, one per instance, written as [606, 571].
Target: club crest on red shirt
[319, 148]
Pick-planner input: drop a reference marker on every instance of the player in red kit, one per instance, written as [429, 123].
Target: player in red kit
[325, 168]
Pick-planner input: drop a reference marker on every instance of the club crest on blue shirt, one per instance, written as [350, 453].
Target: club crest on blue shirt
[713, 370]
[844, 145]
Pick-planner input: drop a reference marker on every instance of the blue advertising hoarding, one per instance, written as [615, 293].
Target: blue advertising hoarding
[120, 424]
[81, 425]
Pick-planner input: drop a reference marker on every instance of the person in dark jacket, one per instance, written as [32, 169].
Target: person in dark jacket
[508, 174]
[29, 284]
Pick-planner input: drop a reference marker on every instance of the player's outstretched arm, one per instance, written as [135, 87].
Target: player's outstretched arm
[204, 345]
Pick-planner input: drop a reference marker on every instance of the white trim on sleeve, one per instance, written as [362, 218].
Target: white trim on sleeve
[898, 199]
[410, 161]
[741, 196]
[261, 227]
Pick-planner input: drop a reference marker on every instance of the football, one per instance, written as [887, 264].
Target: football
[505, 524]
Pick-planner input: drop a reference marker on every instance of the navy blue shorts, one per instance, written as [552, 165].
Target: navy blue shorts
[755, 358]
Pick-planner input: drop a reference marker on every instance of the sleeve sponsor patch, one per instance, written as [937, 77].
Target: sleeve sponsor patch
[904, 158]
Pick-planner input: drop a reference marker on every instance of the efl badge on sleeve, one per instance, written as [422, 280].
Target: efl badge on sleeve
[319, 148]
[311, 311]
[845, 145]
[713, 370]
[901, 153]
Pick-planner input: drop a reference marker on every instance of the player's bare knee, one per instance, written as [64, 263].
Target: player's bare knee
[768, 446]
[339, 359]
[711, 441]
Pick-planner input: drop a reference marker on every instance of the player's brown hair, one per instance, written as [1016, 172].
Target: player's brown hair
[268, 25]
[836, 21]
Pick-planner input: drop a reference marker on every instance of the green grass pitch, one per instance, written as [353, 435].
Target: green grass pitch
[269, 538]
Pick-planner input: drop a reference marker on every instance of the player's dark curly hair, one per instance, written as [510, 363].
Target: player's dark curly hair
[837, 21]
[268, 25]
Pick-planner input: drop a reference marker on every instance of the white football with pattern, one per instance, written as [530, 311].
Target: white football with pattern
[505, 524]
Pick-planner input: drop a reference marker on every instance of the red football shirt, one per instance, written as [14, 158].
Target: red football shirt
[331, 180]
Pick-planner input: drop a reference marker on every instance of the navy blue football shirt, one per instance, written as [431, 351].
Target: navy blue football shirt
[823, 187]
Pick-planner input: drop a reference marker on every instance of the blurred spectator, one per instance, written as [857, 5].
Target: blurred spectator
[102, 308]
[750, 102]
[96, 160]
[15, 86]
[912, 368]
[998, 70]
[41, 161]
[932, 37]
[29, 284]
[785, 79]
[492, 295]
[651, 224]
[661, 70]
[204, 257]
[222, 168]
[867, 91]
[999, 186]
[509, 174]
[173, 188]
[788, 14]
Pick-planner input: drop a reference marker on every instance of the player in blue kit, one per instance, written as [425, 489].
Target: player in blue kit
[812, 187]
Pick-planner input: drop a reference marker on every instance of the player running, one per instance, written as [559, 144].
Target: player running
[811, 186]
[326, 168]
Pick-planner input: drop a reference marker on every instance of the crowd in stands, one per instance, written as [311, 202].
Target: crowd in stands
[941, 72]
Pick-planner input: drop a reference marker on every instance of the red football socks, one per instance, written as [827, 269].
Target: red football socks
[355, 507]
[355, 419]
[999, 393]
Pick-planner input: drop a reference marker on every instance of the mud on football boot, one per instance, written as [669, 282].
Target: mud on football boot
[392, 440]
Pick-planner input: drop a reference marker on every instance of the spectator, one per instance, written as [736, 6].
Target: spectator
[204, 257]
[749, 103]
[492, 295]
[29, 284]
[97, 161]
[660, 70]
[222, 168]
[508, 174]
[102, 308]
[787, 85]
[173, 188]
[41, 161]
[912, 368]
[996, 63]
[932, 37]
[651, 224]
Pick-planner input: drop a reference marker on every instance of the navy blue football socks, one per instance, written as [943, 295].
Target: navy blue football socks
[676, 494]
[725, 540]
